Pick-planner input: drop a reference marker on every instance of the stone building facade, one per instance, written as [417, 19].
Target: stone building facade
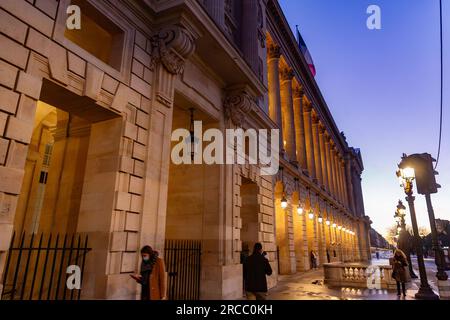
[86, 118]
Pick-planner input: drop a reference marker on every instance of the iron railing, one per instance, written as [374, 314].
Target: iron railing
[36, 266]
[183, 260]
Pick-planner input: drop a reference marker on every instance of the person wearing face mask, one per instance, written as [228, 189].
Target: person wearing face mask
[152, 275]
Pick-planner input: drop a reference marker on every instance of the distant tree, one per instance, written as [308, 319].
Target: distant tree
[391, 234]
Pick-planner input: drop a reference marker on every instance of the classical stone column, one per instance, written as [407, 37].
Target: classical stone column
[334, 169]
[350, 192]
[309, 140]
[328, 161]
[323, 157]
[273, 60]
[339, 177]
[316, 145]
[299, 127]
[344, 182]
[286, 76]
[216, 9]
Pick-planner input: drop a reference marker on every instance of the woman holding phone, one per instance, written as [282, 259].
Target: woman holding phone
[152, 275]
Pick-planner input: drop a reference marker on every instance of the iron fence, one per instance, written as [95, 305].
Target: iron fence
[36, 266]
[183, 260]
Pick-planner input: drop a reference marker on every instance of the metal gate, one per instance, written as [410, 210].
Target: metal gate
[183, 260]
[36, 266]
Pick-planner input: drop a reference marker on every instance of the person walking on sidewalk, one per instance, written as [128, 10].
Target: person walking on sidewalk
[256, 267]
[313, 258]
[152, 277]
[399, 264]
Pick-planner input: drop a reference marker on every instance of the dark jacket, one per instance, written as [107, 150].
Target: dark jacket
[399, 268]
[256, 267]
[156, 286]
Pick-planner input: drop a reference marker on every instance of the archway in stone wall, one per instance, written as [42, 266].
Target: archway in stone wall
[193, 201]
[69, 166]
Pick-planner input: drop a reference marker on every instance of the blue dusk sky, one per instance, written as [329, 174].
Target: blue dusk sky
[382, 87]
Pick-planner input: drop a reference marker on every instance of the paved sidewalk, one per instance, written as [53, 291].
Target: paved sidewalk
[309, 286]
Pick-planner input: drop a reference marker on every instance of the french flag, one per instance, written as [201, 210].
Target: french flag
[306, 54]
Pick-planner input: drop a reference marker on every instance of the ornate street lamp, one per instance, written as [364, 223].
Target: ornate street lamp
[403, 235]
[284, 202]
[406, 177]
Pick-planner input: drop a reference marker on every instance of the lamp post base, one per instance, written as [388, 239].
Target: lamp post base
[426, 294]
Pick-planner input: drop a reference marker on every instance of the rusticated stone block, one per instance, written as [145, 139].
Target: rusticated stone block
[17, 155]
[128, 262]
[8, 74]
[118, 241]
[4, 143]
[10, 180]
[12, 27]
[19, 130]
[132, 222]
[47, 6]
[132, 241]
[93, 83]
[8, 204]
[76, 64]
[29, 85]
[56, 54]
[123, 201]
[13, 52]
[29, 14]
[3, 117]
[8, 100]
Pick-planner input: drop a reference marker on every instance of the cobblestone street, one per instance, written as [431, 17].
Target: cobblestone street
[309, 286]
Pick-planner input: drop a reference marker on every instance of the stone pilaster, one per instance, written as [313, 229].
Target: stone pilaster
[339, 177]
[328, 163]
[299, 127]
[309, 140]
[350, 191]
[344, 183]
[316, 146]
[273, 61]
[334, 171]
[323, 157]
[286, 76]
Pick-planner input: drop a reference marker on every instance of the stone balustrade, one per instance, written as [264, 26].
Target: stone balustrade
[358, 275]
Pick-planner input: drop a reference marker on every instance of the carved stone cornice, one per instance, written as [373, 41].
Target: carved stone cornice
[171, 46]
[286, 74]
[237, 106]
[273, 51]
